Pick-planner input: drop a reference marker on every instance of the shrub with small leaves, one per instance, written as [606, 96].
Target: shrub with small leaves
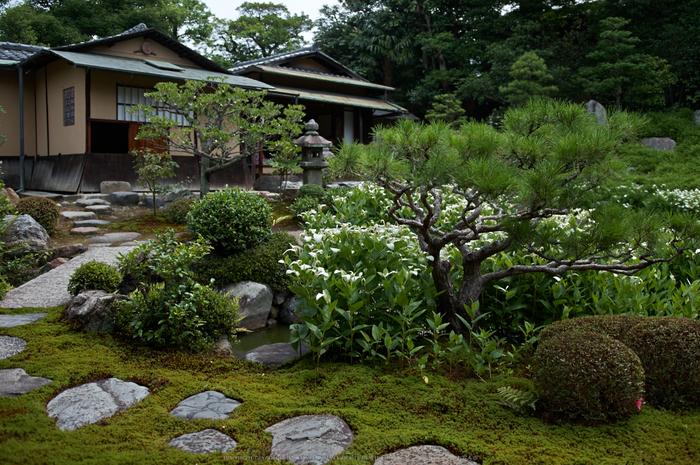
[614, 326]
[43, 210]
[4, 287]
[587, 377]
[177, 213]
[669, 349]
[94, 275]
[311, 190]
[231, 220]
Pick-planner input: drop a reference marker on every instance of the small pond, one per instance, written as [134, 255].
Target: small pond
[250, 341]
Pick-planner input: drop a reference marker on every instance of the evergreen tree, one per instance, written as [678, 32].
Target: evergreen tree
[530, 77]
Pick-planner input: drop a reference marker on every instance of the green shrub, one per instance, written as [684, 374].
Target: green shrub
[4, 287]
[94, 275]
[302, 205]
[43, 210]
[259, 264]
[669, 349]
[177, 213]
[187, 316]
[614, 326]
[231, 220]
[312, 190]
[587, 377]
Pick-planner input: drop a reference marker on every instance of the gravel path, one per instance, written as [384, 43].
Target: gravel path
[51, 289]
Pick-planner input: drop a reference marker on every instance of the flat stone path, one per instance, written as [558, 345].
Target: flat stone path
[204, 442]
[422, 455]
[110, 238]
[10, 321]
[15, 382]
[51, 289]
[10, 346]
[208, 404]
[310, 439]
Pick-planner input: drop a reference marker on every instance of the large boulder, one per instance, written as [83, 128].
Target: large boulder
[24, 236]
[109, 187]
[92, 309]
[148, 202]
[287, 313]
[267, 183]
[254, 303]
[124, 198]
[659, 143]
[597, 110]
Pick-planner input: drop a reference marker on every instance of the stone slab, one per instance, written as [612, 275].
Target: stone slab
[10, 321]
[309, 439]
[208, 404]
[124, 199]
[49, 195]
[204, 442]
[423, 455]
[114, 237]
[10, 346]
[92, 402]
[90, 202]
[100, 209]
[78, 216]
[85, 231]
[91, 223]
[15, 382]
[273, 354]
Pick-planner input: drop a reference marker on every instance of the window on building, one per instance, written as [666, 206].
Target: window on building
[128, 97]
[69, 106]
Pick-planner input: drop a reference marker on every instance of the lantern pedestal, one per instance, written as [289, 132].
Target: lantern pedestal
[313, 159]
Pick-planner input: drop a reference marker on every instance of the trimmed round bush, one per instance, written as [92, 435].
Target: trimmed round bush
[311, 190]
[231, 220]
[615, 326]
[177, 213]
[669, 348]
[587, 377]
[259, 264]
[43, 210]
[96, 276]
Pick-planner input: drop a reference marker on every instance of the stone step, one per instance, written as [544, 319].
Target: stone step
[90, 202]
[100, 209]
[77, 216]
[85, 231]
[91, 223]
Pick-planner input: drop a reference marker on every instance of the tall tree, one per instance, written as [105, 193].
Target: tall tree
[530, 79]
[261, 30]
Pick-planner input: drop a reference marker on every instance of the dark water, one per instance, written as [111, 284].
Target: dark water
[250, 341]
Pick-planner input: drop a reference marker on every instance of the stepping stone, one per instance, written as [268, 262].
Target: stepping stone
[85, 231]
[273, 354]
[77, 216]
[16, 381]
[422, 455]
[204, 442]
[10, 321]
[208, 404]
[100, 209]
[114, 237]
[91, 223]
[91, 202]
[10, 346]
[314, 439]
[93, 402]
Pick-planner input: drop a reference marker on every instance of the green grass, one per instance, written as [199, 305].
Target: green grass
[386, 409]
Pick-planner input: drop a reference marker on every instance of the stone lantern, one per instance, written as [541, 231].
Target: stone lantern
[313, 159]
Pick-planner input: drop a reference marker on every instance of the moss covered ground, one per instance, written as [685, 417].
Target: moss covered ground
[387, 409]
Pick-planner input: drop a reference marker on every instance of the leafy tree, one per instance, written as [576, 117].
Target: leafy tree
[620, 73]
[515, 189]
[447, 108]
[530, 76]
[151, 166]
[286, 161]
[217, 123]
[261, 30]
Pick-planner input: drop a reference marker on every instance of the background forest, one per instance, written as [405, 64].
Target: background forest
[479, 55]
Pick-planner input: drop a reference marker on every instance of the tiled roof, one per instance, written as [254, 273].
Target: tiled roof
[17, 52]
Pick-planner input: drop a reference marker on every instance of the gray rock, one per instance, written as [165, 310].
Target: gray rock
[148, 202]
[204, 442]
[85, 231]
[280, 297]
[254, 303]
[422, 455]
[93, 402]
[114, 237]
[697, 116]
[10, 321]
[659, 143]
[91, 223]
[70, 250]
[313, 439]
[345, 184]
[100, 209]
[15, 382]
[53, 264]
[124, 199]
[174, 196]
[273, 354]
[222, 347]
[23, 236]
[90, 202]
[109, 187]
[598, 111]
[208, 404]
[92, 309]
[10, 346]
[267, 183]
[78, 216]
[287, 314]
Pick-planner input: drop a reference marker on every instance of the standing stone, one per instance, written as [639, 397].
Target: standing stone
[312, 439]
[124, 198]
[15, 382]
[598, 111]
[92, 309]
[24, 235]
[254, 303]
[208, 404]
[109, 187]
[422, 455]
[93, 402]
[659, 143]
[204, 442]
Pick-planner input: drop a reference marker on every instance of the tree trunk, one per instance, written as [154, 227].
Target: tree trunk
[204, 176]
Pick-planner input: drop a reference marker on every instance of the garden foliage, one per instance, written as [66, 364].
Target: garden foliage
[43, 210]
[178, 211]
[96, 276]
